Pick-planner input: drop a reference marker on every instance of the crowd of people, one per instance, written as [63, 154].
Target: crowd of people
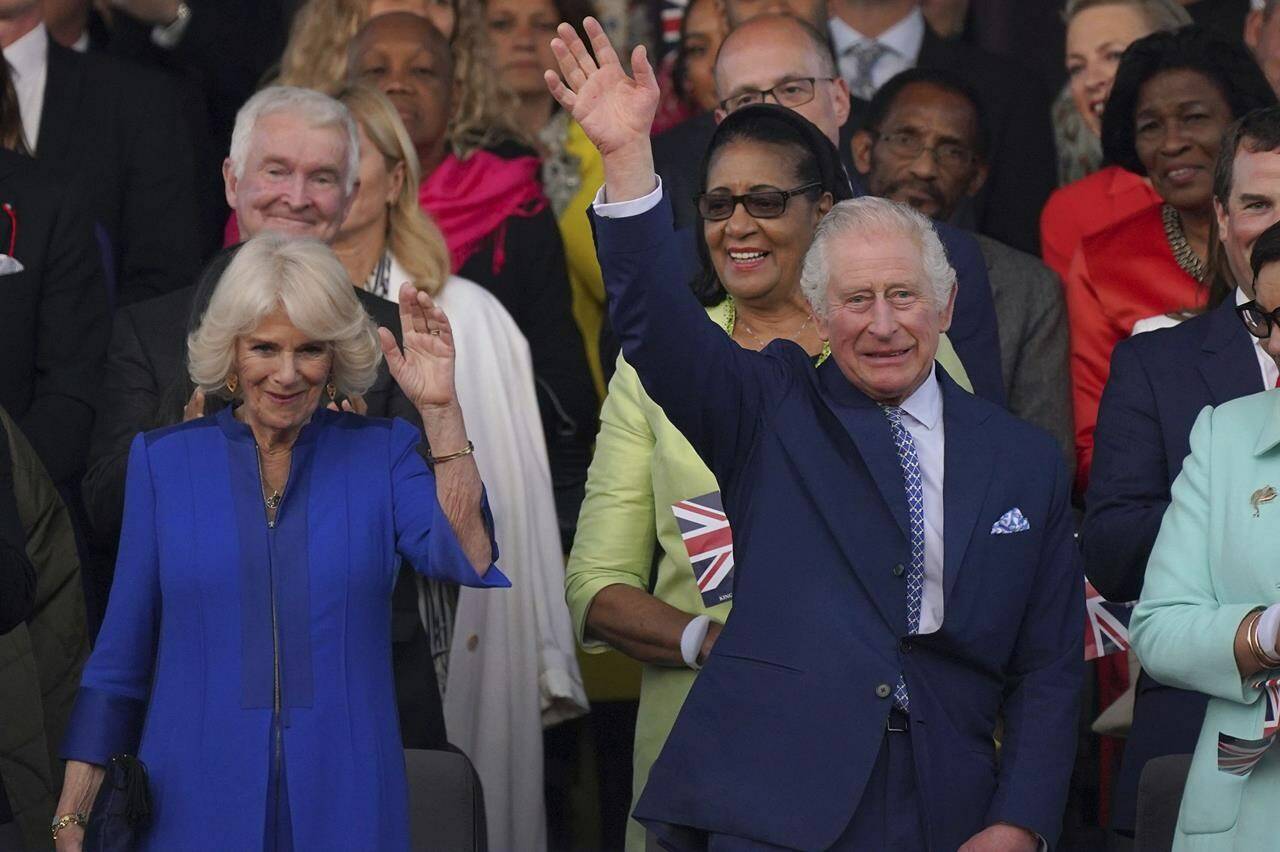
[441, 375]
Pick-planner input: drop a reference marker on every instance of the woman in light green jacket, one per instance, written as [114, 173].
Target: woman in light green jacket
[646, 483]
[1210, 608]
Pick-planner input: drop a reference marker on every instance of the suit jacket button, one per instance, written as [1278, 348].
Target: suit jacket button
[883, 690]
[899, 570]
[905, 645]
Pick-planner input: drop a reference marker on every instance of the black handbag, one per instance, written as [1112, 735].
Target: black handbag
[122, 810]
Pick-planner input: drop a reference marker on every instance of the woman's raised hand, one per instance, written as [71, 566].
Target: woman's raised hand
[425, 369]
[614, 110]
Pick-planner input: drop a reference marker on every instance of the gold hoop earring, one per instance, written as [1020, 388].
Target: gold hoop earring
[332, 390]
[232, 383]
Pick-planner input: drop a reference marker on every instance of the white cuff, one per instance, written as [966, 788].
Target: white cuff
[624, 209]
[695, 633]
[169, 36]
[1268, 626]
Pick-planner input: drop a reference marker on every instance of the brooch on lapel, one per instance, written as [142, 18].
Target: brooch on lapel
[1263, 495]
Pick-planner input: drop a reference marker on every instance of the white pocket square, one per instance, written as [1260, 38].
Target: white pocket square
[9, 265]
[1011, 521]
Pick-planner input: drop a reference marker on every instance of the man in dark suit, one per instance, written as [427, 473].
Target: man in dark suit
[837, 709]
[927, 146]
[771, 49]
[116, 133]
[1159, 383]
[876, 39]
[294, 174]
[53, 315]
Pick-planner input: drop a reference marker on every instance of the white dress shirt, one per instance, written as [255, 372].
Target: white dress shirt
[922, 417]
[28, 59]
[903, 39]
[1270, 372]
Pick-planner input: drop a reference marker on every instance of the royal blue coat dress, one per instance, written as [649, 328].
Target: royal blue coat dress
[235, 654]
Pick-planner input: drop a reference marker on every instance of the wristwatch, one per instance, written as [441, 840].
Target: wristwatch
[179, 16]
[168, 35]
[62, 822]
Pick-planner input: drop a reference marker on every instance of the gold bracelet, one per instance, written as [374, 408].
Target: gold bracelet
[1261, 657]
[435, 460]
[69, 819]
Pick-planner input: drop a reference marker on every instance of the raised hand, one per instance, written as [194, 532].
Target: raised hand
[614, 110]
[424, 370]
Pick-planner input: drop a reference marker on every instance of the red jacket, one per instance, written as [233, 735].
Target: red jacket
[1086, 207]
[1117, 277]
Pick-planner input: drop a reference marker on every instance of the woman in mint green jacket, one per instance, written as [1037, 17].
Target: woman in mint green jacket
[1210, 608]
[646, 483]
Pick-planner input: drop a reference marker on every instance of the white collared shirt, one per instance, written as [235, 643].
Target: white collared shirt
[1270, 371]
[922, 417]
[28, 59]
[903, 39]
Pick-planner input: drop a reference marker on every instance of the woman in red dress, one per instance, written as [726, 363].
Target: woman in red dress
[1174, 95]
[1098, 31]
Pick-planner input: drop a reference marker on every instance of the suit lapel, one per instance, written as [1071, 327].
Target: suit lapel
[969, 458]
[866, 424]
[1230, 366]
[63, 82]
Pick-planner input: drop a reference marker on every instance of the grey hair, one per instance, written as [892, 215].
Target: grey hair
[1162, 15]
[317, 109]
[866, 216]
[302, 276]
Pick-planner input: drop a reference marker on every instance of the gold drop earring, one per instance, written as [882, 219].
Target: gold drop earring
[232, 383]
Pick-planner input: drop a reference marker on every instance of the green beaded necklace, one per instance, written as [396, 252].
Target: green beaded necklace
[731, 315]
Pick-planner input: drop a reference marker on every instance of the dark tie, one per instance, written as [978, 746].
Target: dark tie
[915, 511]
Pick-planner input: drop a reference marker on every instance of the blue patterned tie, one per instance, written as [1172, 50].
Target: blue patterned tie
[915, 510]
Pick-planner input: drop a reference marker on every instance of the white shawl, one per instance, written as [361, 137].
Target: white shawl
[512, 664]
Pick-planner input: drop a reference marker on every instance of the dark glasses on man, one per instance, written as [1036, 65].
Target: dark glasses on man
[767, 204]
[1257, 321]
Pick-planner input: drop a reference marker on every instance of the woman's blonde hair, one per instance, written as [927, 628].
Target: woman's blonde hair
[1162, 15]
[412, 237]
[304, 277]
[316, 57]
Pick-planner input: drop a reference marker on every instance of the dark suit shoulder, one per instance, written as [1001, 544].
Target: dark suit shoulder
[160, 313]
[1013, 271]
[677, 141]
[998, 425]
[1178, 343]
[129, 81]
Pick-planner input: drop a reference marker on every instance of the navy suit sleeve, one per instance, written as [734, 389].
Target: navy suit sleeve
[1043, 678]
[973, 330]
[710, 388]
[1129, 483]
[111, 704]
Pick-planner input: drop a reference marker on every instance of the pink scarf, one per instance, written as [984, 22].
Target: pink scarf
[471, 200]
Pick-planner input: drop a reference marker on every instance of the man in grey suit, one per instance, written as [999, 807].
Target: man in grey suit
[925, 144]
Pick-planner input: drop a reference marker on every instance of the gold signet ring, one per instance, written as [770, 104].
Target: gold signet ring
[1262, 495]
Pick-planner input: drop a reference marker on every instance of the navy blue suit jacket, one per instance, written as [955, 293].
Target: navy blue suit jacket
[1159, 382]
[973, 330]
[779, 735]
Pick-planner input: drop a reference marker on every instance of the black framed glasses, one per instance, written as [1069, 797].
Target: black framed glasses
[1257, 321]
[908, 145]
[766, 204]
[788, 93]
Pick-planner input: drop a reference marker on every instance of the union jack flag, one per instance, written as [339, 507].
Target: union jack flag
[1106, 627]
[1238, 756]
[709, 541]
[1271, 694]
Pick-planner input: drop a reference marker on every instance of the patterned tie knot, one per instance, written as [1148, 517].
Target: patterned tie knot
[894, 413]
[865, 56]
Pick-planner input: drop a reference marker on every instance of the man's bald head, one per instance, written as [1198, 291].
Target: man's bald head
[772, 49]
[401, 28]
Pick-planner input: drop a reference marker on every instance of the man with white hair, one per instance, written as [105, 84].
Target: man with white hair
[292, 169]
[905, 562]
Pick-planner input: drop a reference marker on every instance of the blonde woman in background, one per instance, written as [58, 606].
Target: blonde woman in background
[511, 667]
[1098, 32]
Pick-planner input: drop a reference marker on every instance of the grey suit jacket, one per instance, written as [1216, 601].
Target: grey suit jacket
[1031, 316]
